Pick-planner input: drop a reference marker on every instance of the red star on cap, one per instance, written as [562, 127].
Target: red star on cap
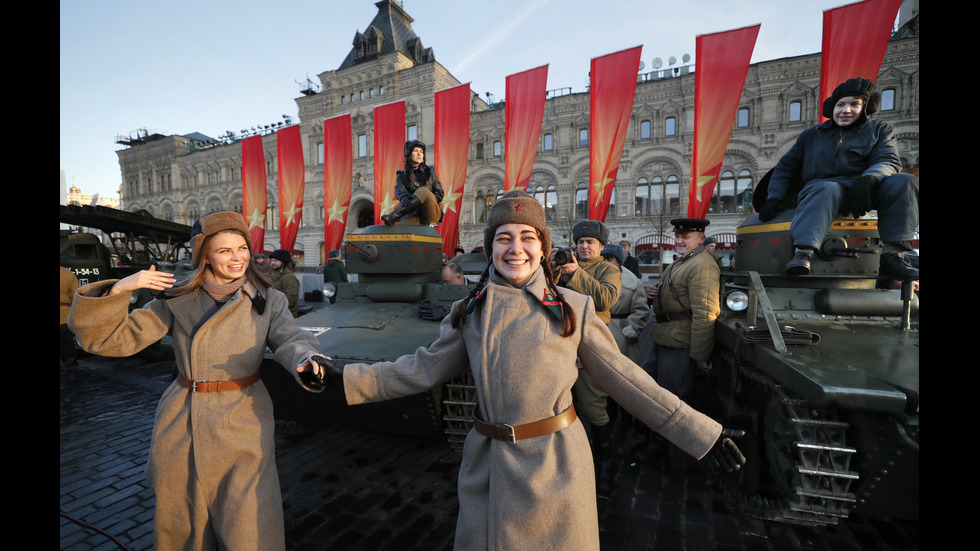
[518, 208]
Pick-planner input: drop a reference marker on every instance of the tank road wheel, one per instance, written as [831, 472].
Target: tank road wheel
[809, 462]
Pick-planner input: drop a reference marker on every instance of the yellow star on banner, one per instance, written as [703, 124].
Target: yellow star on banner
[702, 180]
[449, 201]
[388, 204]
[256, 219]
[599, 187]
[291, 213]
[336, 213]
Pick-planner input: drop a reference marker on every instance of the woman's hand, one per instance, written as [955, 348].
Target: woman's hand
[144, 279]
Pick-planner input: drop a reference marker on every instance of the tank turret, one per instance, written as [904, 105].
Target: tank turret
[376, 317]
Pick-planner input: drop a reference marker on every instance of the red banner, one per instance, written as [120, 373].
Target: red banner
[254, 189]
[292, 180]
[855, 38]
[338, 173]
[723, 61]
[452, 142]
[523, 113]
[611, 92]
[389, 156]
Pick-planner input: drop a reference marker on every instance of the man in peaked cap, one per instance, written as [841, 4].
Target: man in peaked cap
[848, 164]
[686, 305]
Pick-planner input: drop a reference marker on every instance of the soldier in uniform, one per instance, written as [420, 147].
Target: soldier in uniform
[589, 274]
[686, 304]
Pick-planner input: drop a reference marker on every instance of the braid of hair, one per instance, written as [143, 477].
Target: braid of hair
[567, 314]
[459, 311]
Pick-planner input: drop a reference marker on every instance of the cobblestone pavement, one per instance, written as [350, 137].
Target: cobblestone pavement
[345, 489]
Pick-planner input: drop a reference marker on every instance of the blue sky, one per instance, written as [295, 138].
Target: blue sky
[216, 65]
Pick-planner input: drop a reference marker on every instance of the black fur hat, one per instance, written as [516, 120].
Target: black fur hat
[858, 88]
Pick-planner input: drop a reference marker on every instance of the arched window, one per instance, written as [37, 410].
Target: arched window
[551, 202]
[723, 196]
[743, 191]
[888, 100]
[795, 111]
[582, 201]
[480, 207]
[642, 201]
[645, 130]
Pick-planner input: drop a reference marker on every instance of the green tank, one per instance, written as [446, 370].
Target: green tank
[377, 318]
[822, 372]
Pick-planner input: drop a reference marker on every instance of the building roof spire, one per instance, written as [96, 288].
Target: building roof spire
[390, 31]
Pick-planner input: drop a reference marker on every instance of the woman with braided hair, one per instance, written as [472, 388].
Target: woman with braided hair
[526, 480]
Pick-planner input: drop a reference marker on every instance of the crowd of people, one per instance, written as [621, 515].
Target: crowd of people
[551, 336]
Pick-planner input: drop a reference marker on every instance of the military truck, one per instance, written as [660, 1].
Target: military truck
[137, 241]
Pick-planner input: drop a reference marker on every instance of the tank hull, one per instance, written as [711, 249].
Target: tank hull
[832, 419]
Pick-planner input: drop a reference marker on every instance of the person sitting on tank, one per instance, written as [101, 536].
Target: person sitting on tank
[848, 164]
[417, 189]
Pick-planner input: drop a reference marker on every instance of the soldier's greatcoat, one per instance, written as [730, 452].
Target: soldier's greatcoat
[537, 493]
[212, 456]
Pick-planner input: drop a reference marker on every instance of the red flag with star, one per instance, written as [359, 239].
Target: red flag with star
[523, 113]
[254, 190]
[292, 179]
[723, 61]
[389, 156]
[452, 142]
[855, 38]
[338, 173]
[611, 92]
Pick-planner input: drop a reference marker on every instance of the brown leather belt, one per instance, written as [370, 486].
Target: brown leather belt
[217, 386]
[513, 433]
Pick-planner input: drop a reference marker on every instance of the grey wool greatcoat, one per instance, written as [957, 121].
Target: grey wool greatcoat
[538, 493]
[212, 456]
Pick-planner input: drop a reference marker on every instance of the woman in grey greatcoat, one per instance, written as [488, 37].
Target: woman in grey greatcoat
[212, 461]
[526, 480]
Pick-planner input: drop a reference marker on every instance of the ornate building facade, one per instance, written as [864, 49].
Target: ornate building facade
[182, 177]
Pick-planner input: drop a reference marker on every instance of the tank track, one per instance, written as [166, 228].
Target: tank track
[807, 445]
[458, 409]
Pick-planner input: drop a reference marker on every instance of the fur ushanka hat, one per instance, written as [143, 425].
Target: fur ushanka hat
[855, 87]
[516, 207]
[212, 223]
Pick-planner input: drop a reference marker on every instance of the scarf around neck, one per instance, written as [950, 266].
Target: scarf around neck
[221, 292]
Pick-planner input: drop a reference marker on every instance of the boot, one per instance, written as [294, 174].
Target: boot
[653, 449]
[602, 453]
[895, 266]
[401, 211]
[800, 265]
[638, 437]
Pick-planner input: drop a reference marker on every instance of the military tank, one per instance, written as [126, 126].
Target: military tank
[822, 372]
[377, 318]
